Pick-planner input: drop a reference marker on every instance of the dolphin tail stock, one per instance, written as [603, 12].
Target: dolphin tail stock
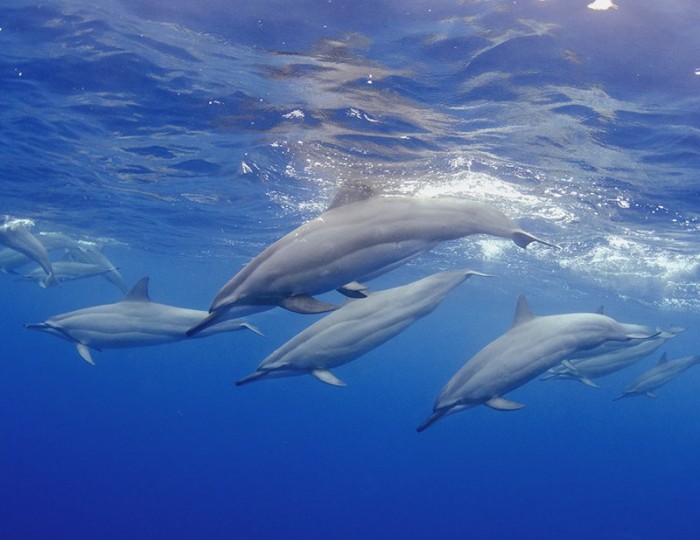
[523, 239]
[434, 417]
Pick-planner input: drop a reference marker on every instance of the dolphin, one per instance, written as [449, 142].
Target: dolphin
[88, 252]
[357, 327]
[657, 376]
[65, 270]
[135, 321]
[588, 368]
[15, 235]
[351, 243]
[11, 260]
[532, 345]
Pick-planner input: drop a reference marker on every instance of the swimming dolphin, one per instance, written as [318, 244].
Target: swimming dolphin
[89, 252]
[11, 260]
[659, 375]
[63, 271]
[357, 327]
[15, 235]
[135, 321]
[352, 243]
[593, 367]
[532, 345]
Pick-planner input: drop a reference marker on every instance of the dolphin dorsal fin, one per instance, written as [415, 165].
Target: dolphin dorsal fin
[351, 194]
[139, 292]
[522, 312]
[663, 359]
[600, 310]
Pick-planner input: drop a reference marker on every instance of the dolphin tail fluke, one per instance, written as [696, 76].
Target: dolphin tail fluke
[437, 415]
[204, 323]
[252, 377]
[523, 239]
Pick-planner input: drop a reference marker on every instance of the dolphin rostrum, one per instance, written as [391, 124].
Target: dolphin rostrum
[592, 367]
[135, 321]
[532, 345]
[356, 328]
[350, 243]
[15, 235]
[659, 375]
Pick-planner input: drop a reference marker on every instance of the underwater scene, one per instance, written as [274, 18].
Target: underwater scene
[350, 269]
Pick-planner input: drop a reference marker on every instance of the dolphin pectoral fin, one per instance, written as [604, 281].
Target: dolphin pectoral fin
[305, 305]
[588, 382]
[84, 353]
[503, 404]
[327, 377]
[353, 290]
[523, 239]
[252, 328]
[568, 365]
[651, 395]
[252, 377]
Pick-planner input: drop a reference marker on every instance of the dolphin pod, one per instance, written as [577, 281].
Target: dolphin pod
[659, 375]
[531, 346]
[357, 327]
[592, 367]
[15, 235]
[351, 243]
[135, 321]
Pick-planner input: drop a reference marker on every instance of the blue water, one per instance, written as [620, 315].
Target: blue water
[188, 136]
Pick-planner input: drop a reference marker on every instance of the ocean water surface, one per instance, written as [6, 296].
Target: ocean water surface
[185, 137]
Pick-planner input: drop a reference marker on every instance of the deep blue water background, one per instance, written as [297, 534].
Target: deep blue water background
[165, 131]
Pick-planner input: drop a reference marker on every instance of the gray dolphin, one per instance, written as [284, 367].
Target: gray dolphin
[356, 328]
[135, 321]
[63, 271]
[659, 375]
[592, 367]
[353, 242]
[15, 235]
[532, 345]
[89, 252]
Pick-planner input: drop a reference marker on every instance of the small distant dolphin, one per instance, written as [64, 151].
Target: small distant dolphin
[659, 375]
[354, 242]
[532, 345]
[356, 328]
[63, 271]
[88, 252]
[592, 367]
[15, 235]
[135, 321]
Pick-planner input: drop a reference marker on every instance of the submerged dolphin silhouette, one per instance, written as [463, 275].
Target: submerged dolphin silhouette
[15, 235]
[592, 367]
[659, 375]
[135, 321]
[358, 327]
[532, 345]
[353, 242]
